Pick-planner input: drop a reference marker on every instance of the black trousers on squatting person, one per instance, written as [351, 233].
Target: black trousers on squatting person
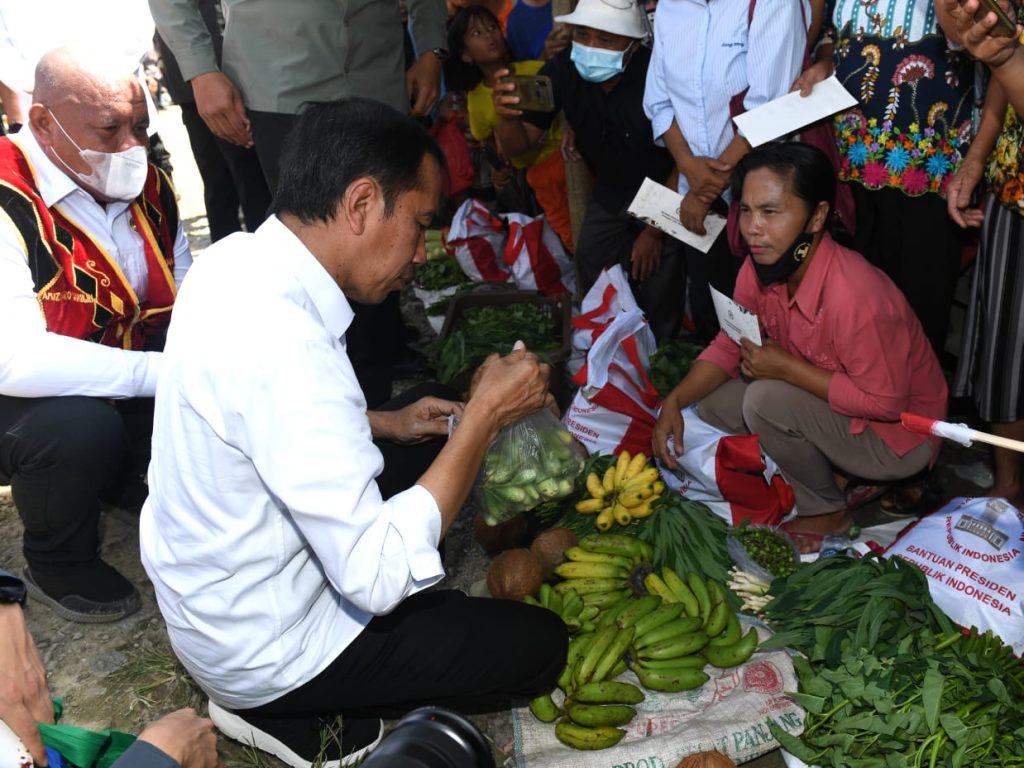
[439, 648]
[64, 456]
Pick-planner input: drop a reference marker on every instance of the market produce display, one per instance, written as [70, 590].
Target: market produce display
[439, 273]
[623, 493]
[483, 330]
[886, 678]
[623, 614]
[768, 548]
[531, 461]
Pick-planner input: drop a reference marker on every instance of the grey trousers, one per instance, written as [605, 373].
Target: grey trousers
[808, 440]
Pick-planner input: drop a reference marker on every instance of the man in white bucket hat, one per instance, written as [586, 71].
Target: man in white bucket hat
[599, 85]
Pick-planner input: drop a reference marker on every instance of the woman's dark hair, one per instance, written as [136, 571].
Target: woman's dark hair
[458, 75]
[337, 142]
[811, 175]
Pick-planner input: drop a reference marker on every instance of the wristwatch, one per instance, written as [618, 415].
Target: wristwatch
[441, 53]
[12, 590]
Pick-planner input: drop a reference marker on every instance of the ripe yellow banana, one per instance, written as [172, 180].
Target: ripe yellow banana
[608, 481]
[594, 486]
[629, 499]
[659, 486]
[590, 506]
[621, 514]
[605, 520]
[620, 468]
[636, 464]
[646, 477]
[644, 509]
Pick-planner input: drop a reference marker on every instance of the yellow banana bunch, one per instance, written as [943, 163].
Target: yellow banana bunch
[625, 492]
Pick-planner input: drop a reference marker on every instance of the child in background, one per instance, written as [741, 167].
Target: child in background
[477, 49]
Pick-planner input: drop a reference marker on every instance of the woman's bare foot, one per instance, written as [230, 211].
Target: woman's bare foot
[807, 532]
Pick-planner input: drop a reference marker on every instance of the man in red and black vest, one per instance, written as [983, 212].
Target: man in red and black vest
[91, 256]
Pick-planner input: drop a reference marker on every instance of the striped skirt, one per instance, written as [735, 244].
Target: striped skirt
[991, 368]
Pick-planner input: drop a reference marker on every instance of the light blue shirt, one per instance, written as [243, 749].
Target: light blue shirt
[706, 52]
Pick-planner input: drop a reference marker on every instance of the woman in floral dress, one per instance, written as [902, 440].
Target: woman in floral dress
[991, 368]
[902, 143]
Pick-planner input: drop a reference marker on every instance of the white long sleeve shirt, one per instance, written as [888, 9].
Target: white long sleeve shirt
[706, 52]
[37, 363]
[265, 535]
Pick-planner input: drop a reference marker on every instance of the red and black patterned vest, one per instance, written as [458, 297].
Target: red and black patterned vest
[81, 290]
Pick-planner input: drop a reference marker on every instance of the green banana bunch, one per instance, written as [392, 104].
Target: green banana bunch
[569, 605]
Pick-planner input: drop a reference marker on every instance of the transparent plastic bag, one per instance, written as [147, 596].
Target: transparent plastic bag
[745, 561]
[532, 461]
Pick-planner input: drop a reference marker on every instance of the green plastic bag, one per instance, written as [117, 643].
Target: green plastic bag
[83, 748]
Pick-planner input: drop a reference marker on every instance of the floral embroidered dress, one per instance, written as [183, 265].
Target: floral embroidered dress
[913, 123]
[1005, 171]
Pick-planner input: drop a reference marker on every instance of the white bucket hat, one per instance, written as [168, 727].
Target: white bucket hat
[620, 17]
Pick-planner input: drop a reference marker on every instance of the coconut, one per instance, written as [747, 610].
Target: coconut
[498, 538]
[514, 574]
[707, 760]
[550, 546]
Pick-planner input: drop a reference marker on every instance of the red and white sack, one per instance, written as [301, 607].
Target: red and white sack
[536, 258]
[972, 551]
[729, 474]
[616, 405]
[608, 297]
[478, 238]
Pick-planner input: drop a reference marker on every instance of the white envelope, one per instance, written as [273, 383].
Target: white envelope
[791, 112]
[737, 322]
[657, 205]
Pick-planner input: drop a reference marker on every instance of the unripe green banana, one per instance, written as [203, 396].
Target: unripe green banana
[572, 604]
[545, 709]
[618, 669]
[531, 600]
[609, 613]
[603, 599]
[581, 737]
[725, 656]
[589, 585]
[631, 614]
[731, 634]
[700, 591]
[683, 645]
[618, 544]
[671, 681]
[600, 715]
[545, 594]
[577, 647]
[589, 661]
[612, 656]
[682, 626]
[588, 612]
[573, 570]
[609, 692]
[662, 615]
[682, 592]
[695, 661]
[555, 602]
[581, 555]
[572, 624]
[718, 619]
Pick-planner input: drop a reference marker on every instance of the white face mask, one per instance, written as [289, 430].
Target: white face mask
[115, 175]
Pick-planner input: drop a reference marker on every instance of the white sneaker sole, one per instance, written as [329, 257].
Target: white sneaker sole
[236, 728]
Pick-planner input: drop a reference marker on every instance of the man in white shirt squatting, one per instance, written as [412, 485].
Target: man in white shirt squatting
[290, 583]
[91, 256]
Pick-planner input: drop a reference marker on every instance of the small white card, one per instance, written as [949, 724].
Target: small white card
[657, 205]
[791, 112]
[737, 322]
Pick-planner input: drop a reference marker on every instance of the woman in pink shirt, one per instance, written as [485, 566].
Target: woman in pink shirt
[843, 353]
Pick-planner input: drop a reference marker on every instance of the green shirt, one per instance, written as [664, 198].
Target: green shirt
[282, 54]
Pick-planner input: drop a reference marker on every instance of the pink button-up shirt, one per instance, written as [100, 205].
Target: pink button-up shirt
[849, 318]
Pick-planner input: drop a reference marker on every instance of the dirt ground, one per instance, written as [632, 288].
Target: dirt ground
[122, 675]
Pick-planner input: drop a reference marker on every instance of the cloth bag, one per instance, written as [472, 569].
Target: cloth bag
[478, 238]
[536, 258]
[972, 553]
[727, 713]
[616, 405]
[729, 474]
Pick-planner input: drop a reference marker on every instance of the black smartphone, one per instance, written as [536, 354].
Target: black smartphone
[534, 92]
[1006, 25]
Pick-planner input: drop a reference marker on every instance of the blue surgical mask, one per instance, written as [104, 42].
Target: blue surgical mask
[596, 65]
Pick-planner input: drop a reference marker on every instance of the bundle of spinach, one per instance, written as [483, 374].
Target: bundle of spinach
[483, 330]
[439, 274]
[887, 680]
[671, 362]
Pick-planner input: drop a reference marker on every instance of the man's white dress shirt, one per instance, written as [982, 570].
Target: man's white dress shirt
[37, 363]
[265, 535]
[706, 52]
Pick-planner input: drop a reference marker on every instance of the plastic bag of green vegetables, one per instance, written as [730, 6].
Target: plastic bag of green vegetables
[765, 552]
[531, 461]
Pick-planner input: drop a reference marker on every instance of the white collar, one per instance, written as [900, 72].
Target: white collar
[327, 297]
[54, 185]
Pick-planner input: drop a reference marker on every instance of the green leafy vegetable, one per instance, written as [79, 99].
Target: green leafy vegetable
[671, 362]
[438, 274]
